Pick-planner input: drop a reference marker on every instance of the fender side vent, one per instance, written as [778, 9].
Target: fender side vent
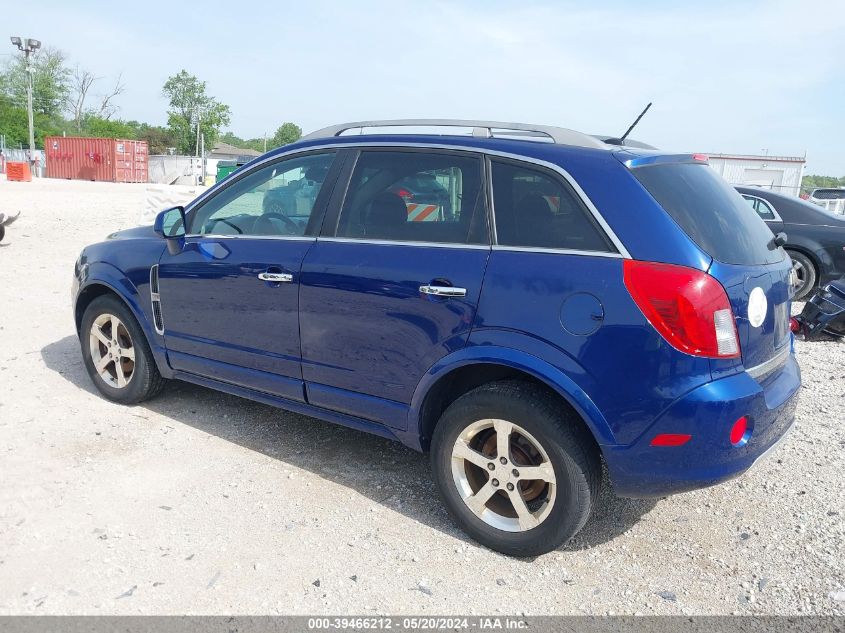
[155, 300]
[154, 279]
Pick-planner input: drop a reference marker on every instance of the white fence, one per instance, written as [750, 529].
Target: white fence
[166, 169]
[13, 155]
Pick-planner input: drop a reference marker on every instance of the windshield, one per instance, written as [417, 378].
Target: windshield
[710, 211]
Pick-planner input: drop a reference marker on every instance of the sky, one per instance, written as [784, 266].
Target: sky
[724, 77]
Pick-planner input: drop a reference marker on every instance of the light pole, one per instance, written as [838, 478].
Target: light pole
[28, 46]
[199, 151]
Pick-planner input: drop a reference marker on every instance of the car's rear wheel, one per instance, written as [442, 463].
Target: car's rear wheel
[805, 273]
[517, 471]
[116, 354]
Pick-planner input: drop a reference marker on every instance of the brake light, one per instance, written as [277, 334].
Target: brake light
[404, 194]
[689, 308]
[702, 158]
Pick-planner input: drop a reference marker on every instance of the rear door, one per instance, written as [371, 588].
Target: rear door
[754, 272]
[385, 294]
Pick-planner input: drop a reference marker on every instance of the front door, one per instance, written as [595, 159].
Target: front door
[393, 283]
[230, 298]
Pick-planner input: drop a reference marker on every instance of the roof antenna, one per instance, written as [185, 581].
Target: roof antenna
[621, 140]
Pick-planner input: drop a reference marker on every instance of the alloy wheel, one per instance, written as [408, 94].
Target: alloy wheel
[112, 351]
[503, 475]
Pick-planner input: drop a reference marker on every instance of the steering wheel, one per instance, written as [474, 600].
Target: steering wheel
[290, 224]
[225, 221]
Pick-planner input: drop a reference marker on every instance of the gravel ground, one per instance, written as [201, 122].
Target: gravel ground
[200, 502]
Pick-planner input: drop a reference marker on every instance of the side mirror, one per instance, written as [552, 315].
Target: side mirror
[170, 223]
[779, 240]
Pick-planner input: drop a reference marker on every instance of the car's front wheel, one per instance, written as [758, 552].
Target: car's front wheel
[116, 353]
[516, 470]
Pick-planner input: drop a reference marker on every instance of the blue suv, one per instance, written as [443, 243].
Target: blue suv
[574, 301]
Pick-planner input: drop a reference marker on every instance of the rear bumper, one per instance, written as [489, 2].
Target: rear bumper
[707, 414]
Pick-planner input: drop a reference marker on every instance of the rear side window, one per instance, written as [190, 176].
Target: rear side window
[710, 211]
[536, 209]
[415, 197]
[762, 208]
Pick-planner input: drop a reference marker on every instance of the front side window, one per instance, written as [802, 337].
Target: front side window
[276, 200]
[415, 197]
[534, 208]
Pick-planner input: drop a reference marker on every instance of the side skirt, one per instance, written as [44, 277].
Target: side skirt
[290, 405]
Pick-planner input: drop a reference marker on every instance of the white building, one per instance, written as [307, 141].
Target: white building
[779, 173]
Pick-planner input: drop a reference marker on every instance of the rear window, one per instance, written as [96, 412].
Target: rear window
[710, 211]
[829, 194]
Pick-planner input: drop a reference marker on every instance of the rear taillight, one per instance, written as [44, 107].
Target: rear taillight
[689, 308]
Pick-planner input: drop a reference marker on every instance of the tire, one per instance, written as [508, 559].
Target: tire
[140, 377]
[559, 510]
[807, 276]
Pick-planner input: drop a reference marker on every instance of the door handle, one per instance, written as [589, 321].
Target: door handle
[443, 291]
[276, 277]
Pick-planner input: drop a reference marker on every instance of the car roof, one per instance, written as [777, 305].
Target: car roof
[537, 150]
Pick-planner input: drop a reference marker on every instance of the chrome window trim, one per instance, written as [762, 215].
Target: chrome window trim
[218, 236]
[364, 240]
[777, 217]
[771, 364]
[617, 243]
[556, 251]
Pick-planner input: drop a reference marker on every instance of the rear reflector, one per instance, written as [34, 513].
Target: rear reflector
[738, 431]
[670, 439]
[689, 308]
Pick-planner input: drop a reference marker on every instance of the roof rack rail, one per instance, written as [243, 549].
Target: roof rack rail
[483, 129]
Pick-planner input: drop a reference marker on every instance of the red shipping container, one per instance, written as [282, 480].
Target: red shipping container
[105, 159]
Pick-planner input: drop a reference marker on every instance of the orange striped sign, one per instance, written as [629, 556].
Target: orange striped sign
[554, 203]
[423, 212]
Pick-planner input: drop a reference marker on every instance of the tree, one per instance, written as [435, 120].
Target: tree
[810, 182]
[14, 123]
[189, 104]
[50, 81]
[287, 133]
[107, 108]
[80, 83]
[159, 139]
[95, 125]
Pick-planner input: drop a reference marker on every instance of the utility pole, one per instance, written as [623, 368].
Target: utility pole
[28, 46]
[265, 142]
